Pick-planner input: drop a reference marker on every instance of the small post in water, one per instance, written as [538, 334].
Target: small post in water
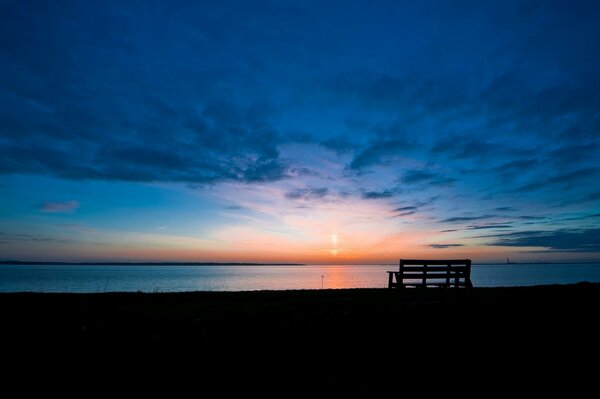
[322, 281]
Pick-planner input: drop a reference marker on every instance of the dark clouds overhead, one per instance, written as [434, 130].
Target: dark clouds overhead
[500, 98]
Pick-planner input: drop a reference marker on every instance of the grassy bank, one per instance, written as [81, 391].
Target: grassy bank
[361, 317]
[356, 341]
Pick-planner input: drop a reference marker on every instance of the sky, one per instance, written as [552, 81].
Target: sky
[299, 131]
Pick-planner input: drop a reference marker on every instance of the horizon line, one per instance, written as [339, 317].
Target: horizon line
[198, 263]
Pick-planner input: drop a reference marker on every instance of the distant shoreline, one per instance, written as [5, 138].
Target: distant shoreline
[18, 262]
[52, 263]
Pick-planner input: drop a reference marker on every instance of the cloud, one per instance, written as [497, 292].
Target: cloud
[442, 246]
[530, 217]
[566, 154]
[307, 194]
[380, 152]
[563, 179]
[505, 209]
[489, 226]
[209, 148]
[418, 176]
[79, 228]
[8, 238]
[340, 144]
[417, 205]
[464, 147]
[59, 207]
[405, 213]
[518, 165]
[406, 208]
[427, 177]
[562, 240]
[377, 194]
[89, 102]
[460, 219]
[580, 199]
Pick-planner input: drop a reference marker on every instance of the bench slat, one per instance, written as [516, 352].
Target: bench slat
[430, 277]
[440, 284]
[436, 272]
[432, 268]
[435, 262]
[427, 271]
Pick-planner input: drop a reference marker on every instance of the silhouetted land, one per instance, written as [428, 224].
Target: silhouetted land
[366, 337]
[18, 262]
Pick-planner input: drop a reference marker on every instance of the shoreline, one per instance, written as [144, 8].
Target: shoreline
[136, 318]
[23, 263]
[293, 290]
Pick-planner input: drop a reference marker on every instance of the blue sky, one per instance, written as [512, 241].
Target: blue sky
[299, 131]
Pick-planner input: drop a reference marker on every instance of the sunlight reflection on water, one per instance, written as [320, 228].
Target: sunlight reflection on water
[66, 278]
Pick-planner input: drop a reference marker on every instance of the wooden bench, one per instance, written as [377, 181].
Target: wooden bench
[431, 273]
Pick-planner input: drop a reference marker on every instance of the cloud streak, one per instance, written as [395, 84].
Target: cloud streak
[460, 219]
[562, 240]
[307, 194]
[59, 207]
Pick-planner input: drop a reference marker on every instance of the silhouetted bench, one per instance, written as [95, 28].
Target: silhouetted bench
[431, 273]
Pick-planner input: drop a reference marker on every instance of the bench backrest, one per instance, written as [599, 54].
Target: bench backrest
[453, 272]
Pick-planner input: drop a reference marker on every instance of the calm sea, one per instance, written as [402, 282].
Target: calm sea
[65, 278]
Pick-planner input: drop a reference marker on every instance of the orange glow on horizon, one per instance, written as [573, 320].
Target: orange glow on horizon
[345, 231]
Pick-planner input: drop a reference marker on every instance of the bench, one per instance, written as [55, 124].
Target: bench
[431, 273]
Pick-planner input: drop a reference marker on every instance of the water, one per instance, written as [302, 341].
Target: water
[65, 278]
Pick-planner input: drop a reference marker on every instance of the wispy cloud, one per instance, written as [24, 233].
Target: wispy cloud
[562, 240]
[443, 246]
[6, 238]
[307, 193]
[59, 207]
[377, 194]
[466, 218]
[562, 179]
[531, 217]
[405, 213]
[426, 177]
[489, 226]
[406, 208]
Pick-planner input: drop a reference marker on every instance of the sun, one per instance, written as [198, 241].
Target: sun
[334, 244]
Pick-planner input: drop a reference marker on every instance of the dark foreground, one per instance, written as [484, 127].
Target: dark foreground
[360, 332]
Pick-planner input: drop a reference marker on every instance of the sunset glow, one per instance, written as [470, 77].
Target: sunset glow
[304, 133]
